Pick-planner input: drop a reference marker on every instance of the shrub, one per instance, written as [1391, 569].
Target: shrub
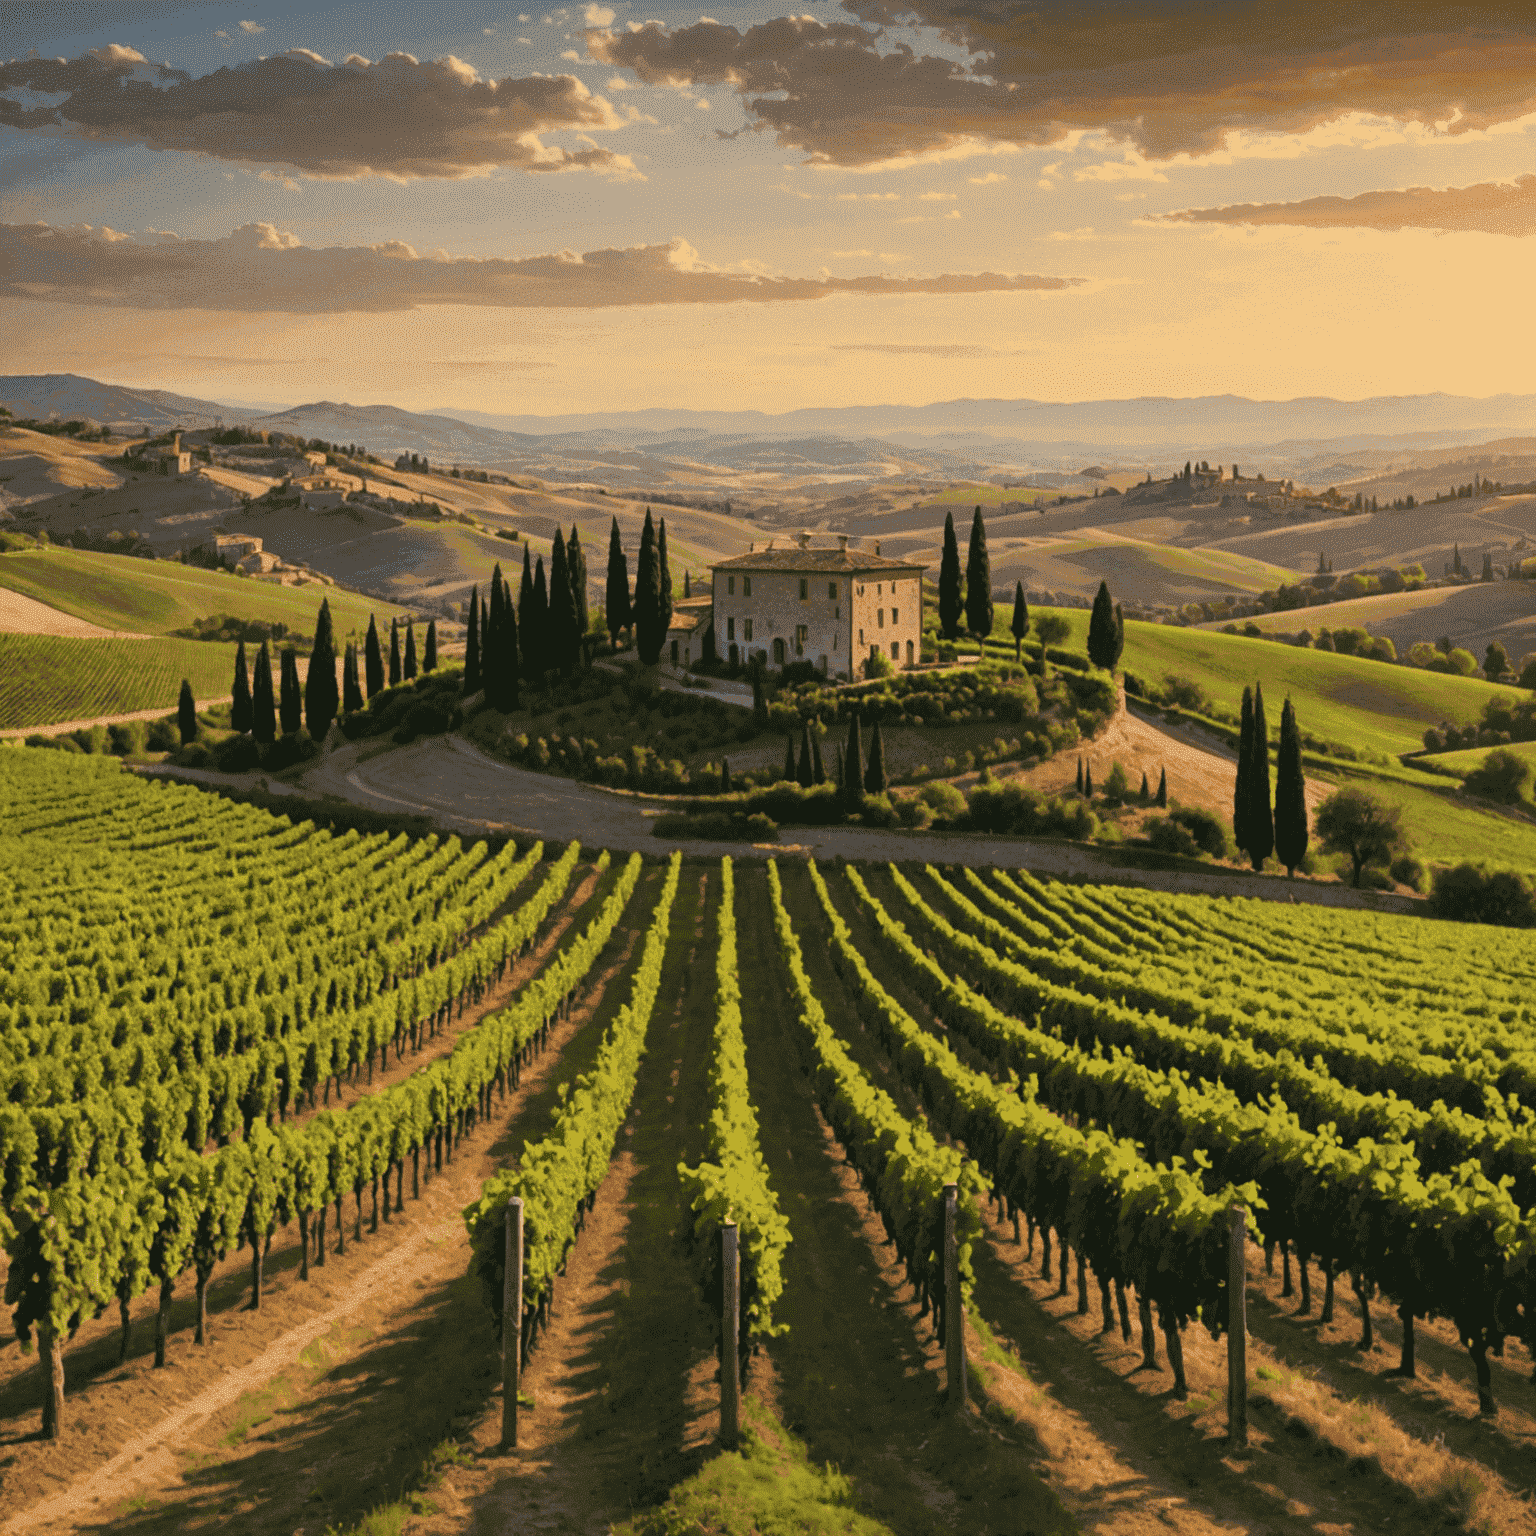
[1502, 777]
[1117, 786]
[913, 812]
[1168, 836]
[1363, 826]
[878, 664]
[128, 739]
[237, 754]
[287, 751]
[195, 754]
[1207, 831]
[717, 826]
[878, 811]
[1015, 808]
[1461, 662]
[943, 799]
[1473, 893]
[1407, 870]
[163, 735]
[54, 743]
[425, 717]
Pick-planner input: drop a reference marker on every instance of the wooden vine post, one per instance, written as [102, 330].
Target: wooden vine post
[954, 1307]
[730, 1335]
[1237, 1329]
[512, 1324]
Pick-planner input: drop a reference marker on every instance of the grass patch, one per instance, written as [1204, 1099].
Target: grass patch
[158, 596]
[770, 1485]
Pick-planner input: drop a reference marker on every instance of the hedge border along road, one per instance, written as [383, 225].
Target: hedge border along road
[48, 678]
[732, 1183]
[1154, 1228]
[98, 1204]
[559, 1176]
[1454, 1244]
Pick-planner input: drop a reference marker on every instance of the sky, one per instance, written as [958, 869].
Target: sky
[599, 207]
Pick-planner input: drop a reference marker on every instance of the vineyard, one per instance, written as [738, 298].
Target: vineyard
[933, 1114]
[48, 678]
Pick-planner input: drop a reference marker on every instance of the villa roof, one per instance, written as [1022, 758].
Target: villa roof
[796, 558]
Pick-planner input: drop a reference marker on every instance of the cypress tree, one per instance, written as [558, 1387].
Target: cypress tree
[806, 774]
[617, 596]
[874, 774]
[429, 660]
[650, 630]
[1162, 789]
[351, 694]
[263, 714]
[373, 660]
[394, 653]
[1261, 820]
[1240, 789]
[759, 698]
[978, 581]
[562, 618]
[525, 619]
[410, 649]
[536, 630]
[688, 583]
[789, 759]
[818, 768]
[290, 698]
[1290, 794]
[725, 776]
[492, 615]
[1020, 626]
[508, 660]
[1119, 634]
[1088, 782]
[1145, 793]
[472, 682]
[186, 713]
[853, 768]
[1103, 642]
[840, 774]
[950, 603]
[581, 616]
[664, 580]
[1079, 775]
[240, 704]
[320, 697]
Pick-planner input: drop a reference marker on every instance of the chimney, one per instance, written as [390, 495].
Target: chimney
[175, 442]
[803, 538]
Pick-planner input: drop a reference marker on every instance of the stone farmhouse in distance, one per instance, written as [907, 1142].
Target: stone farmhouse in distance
[832, 607]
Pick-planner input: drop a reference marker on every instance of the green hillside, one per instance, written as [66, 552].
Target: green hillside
[47, 678]
[1339, 698]
[159, 596]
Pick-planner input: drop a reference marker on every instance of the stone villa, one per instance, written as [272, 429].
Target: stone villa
[832, 607]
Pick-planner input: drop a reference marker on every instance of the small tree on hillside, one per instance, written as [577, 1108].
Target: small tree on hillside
[240, 712]
[1290, 794]
[320, 682]
[472, 683]
[186, 713]
[1052, 629]
[373, 660]
[263, 709]
[1240, 788]
[408, 669]
[1105, 636]
[1495, 661]
[351, 694]
[290, 703]
[617, 595]
[1261, 820]
[394, 653]
[1020, 626]
[1354, 822]
[951, 603]
[429, 656]
[874, 774]
[1145, 792]
[1162, 789]
[978, 581]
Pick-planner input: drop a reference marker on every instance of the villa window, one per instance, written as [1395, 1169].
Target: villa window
[895, 618]
[746, 586]
[880, 618]
[832, 590]
[730, 586]
[730, 629]
[747, 629]
[805, 589]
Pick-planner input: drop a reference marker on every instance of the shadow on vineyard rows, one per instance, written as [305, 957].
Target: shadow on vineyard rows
[623, 1378]
[859, 1375]
[358, 1415]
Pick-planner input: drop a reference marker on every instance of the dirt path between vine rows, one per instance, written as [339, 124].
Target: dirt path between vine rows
[199, 1464]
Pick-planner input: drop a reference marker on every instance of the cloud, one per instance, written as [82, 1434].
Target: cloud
[251, 29]
[598, 16]
[954, 349]
[1086, 233]
[1179, 79]
[399, 118]
[937, 197]
[261, 269]
[989, 180]
[1492, 207]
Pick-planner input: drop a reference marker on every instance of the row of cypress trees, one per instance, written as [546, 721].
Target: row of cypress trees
[974, 602]
[854, 777]
[1258, 828]
[648, 610]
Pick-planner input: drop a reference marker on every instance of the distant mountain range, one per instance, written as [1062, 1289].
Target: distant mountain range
[954, 439]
